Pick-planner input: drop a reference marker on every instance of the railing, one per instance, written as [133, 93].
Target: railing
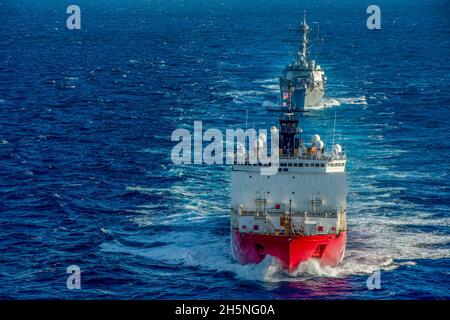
[269, 213]
[320, 157]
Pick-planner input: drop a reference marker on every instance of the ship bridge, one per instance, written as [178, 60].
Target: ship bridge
[306, 163]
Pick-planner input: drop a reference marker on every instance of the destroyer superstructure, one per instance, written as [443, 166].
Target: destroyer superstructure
[304, 75]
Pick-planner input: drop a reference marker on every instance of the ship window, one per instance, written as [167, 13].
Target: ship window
[322, 165]
[317, 164]
[295, 164]
[285, 169]
[300, 164]
[289, 164]
[283, 164]
[293, 177]
[250, 177]
[279, 169]
[306, 164]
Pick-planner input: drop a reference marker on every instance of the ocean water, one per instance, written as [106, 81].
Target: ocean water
[86, 118]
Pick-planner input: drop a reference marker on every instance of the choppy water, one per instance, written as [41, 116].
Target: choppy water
[85, 124]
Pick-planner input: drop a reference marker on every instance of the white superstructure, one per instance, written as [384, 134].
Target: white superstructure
[310, 188]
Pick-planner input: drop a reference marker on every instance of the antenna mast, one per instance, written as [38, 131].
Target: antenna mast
[246, 119]
[304, 29]
[334, 126]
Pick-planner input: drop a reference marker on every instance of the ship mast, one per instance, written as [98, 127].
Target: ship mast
[302, 53]
[290, 133]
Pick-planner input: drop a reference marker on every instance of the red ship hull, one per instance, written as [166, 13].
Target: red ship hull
[291, 251]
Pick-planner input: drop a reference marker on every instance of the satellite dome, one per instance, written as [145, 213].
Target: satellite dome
[337, 148]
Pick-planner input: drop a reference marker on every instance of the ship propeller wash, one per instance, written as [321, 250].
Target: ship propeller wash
[304, 76]
[300, 212]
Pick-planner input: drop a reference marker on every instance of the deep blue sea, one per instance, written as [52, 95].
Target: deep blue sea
[86, 118]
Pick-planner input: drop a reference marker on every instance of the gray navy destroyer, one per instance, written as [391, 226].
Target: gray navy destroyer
[303, 80]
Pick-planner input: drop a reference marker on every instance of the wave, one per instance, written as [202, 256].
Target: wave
[271, 80]
[269, 104]
[271, 87]
[383, 233]
[328, 102]
[243, 93]
[358, 100]
[245, 96]
[375, 243]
